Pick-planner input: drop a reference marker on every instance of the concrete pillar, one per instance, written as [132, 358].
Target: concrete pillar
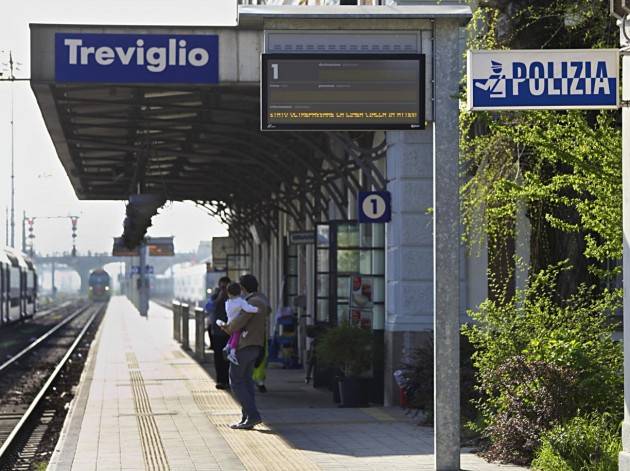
[446, 246]
[409, 257]
[522, 246]
[84, 275]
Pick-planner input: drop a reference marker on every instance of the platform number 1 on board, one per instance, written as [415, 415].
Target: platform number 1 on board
[375, 206]
[274, 68]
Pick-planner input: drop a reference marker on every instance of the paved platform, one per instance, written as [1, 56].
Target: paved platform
[144, 404]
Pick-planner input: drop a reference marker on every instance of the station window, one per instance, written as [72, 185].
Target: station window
[322, 274]
[291, 271]
[350, 277]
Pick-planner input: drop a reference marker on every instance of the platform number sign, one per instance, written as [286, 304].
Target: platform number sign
[375, 206]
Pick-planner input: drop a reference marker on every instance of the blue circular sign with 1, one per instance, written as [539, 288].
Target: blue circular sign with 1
[374, 206]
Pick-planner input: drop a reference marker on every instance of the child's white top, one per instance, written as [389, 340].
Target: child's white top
[234, 305]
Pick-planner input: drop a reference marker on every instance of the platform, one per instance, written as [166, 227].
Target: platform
[145, 404]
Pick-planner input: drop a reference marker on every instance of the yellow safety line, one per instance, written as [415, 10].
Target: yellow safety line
[379, 414]
[150, 439]
[259, 449]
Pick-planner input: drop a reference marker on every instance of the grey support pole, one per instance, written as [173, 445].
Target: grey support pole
[143, 288]
[200, 333]
[185, 318]
[446, 244]
[177, 323]
[624, 456]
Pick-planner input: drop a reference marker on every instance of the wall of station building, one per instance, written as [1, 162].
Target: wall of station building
[397, 256]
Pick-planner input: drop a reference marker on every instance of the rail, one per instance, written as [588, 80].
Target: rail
[15, 432]
[37, 342]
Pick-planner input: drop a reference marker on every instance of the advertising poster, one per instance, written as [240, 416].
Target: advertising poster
[361, 304]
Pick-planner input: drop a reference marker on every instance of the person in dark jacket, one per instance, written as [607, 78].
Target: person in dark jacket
[219, 338]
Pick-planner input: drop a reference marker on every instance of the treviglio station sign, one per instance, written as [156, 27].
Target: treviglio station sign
[136, 58]
[543, 79]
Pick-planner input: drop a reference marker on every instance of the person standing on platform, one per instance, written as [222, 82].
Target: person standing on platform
[218, 338]
[250, 351]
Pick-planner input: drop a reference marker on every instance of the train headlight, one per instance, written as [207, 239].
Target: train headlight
[209, 291]
[107, 288]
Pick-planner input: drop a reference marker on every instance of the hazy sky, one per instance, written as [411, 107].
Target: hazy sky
[42, 187]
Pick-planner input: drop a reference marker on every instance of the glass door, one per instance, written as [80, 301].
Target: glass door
[350, 274]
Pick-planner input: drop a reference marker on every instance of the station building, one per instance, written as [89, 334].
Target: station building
[290, 198]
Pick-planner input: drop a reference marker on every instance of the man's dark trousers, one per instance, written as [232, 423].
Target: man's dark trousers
[242, 383]
[221, 365]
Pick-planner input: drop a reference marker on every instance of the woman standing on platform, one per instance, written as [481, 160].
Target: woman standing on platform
[219, 338]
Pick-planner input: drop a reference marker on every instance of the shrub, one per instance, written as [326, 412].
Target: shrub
[590, 443]
[535, 396]
[532, 347]
[347, 348]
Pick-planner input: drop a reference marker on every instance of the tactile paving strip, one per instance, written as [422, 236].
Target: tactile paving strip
[260, 449]
[152, 447]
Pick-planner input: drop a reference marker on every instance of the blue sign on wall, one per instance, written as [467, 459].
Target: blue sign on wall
[136, 58]
[135, 269]
[375, 206]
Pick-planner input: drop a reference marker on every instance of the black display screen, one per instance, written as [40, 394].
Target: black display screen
[342, 91]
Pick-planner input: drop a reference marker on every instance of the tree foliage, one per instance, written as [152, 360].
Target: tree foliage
[561, 169]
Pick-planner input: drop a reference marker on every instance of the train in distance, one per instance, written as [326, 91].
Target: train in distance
[99, 285]
[18, 286]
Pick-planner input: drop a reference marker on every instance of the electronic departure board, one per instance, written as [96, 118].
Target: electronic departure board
[342, 91]
[158, 247]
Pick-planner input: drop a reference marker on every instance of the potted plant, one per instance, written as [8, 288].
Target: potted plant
[348, 349]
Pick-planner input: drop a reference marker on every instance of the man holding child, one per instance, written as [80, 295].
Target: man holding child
[249, 351]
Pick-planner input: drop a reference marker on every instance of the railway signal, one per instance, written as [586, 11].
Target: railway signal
[30, 221]
[74, 220]
[31, 235]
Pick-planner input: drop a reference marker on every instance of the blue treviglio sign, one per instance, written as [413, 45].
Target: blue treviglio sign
[136, 58]
[543, 79]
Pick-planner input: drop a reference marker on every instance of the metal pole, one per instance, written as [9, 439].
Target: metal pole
[24, 231]
[177, 323]
[200, 332]
[12, 158]
[446, 244]
[54, 288]
[185, 331]
[624, 456]
[143, 289]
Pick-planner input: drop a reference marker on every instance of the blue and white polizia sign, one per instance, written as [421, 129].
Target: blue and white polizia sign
[136, 58]
[543, 79]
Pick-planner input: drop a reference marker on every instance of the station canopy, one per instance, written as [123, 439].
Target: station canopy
[201, 141]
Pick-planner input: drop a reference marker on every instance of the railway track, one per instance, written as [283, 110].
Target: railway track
[36, 385]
